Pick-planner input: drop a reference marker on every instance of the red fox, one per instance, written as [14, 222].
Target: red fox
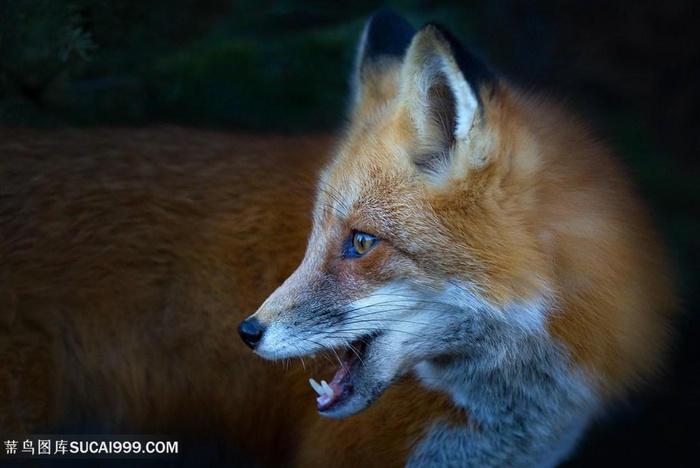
[481, 239]
[478, 274]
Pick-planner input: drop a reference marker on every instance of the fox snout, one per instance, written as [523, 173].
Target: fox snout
[251, 331]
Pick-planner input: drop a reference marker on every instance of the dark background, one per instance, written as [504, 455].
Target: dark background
[631, 67]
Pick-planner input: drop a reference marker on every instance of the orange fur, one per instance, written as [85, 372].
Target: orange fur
[478, 186]
[578, 231]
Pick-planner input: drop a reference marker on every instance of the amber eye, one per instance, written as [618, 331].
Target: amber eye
[361, 244]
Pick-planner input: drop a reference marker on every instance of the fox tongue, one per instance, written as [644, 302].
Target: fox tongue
[337, 386]
[340, 385]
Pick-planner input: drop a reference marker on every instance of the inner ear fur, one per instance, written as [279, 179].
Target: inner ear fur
[442, 101]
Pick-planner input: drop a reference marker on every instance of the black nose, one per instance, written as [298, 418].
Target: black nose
[251, 331]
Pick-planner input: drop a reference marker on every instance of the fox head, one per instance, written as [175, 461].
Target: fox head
[418, 231]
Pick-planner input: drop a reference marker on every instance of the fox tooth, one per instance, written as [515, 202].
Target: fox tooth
[317, 387]
[327, 388]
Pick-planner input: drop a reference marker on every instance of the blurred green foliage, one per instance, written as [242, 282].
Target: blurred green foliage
[274, 65]
[271, 65]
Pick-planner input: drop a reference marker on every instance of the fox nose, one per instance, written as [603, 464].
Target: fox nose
[251, 331]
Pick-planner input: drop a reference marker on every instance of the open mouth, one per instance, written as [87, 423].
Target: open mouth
[341, 386]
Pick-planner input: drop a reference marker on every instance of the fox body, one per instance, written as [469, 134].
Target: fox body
[478, 270]
[481, 239]
[128, 257]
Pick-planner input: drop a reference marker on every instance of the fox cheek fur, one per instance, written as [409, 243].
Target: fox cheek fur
[512, 269]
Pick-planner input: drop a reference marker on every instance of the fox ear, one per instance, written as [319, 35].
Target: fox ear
[379, 56]
[440, 87]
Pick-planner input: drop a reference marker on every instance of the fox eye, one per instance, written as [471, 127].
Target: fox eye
[360, 243]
